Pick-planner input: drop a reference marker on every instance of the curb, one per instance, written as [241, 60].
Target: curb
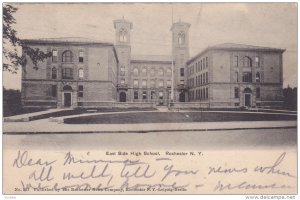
[147, 131]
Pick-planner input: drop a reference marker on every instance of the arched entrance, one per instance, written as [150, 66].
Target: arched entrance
[247, 97]
[67, 96]
[182, 97]
[122, 97]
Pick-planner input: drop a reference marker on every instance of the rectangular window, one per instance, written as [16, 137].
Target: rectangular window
[144, 94]
[122, 81]
[247, 77]
[54, 56]
[161, 83]
[257, 92]
[161, 95]
[237, 77]
[200, 93]
[206, 77]
[236, 92]
[53, 90]
[206, 93]
[152, 95]
[168, 83]
[257, 61]
[201, 65]
[206, 60]
[204, 66]
[136, 94]
[181, 72]
[67, 73]
[144, 83]
[54, 73]
[152, 83]
[236, 61]
[201, 79]
[136, 83]
[81, 56]
[80, 90]
[122, 71]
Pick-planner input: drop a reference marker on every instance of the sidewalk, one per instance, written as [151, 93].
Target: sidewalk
[26, 117]
[47, 126]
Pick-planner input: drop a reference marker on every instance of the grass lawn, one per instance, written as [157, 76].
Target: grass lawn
[173, 117]
[86, 110]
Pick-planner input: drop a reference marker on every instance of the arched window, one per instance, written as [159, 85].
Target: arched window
[144, 71]
[257, 77]
[67, 88]
[136, 71]
[247, 62]
[54, 73]
[80, 73]
[181, 38]
[67, 56]
[169, 71]
[160, 72]
[152, 71]
[123, 35]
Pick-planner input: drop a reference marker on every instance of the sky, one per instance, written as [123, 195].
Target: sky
[261, 24]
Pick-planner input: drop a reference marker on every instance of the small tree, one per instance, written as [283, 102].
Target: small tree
[12, 59]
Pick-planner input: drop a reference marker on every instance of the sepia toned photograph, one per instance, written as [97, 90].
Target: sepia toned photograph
[150, 98]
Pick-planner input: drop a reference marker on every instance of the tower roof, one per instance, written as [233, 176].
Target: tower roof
[123, 21]
[180, 23]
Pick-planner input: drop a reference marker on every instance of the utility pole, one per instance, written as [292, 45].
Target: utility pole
[172, 85]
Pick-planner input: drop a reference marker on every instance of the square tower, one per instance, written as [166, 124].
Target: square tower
[123, 48]
[180, 53]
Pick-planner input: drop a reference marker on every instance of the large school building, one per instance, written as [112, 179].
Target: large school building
[88, 73]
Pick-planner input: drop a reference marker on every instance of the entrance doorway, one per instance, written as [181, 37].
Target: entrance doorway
[247, 100]
[122, 97]
[67, 99]
[182, 97]
[247, 97]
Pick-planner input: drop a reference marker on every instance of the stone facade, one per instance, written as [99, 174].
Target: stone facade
[236, 76]
[87, 73]
[80, 72]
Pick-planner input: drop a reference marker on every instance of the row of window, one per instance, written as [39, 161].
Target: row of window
[199, 66]
[247, 77]
[67, 73]
[144, 95]
[152, 83]
[144, 71]
[247, 61]
[237, 92]
[198, 80]
[200, 94]
[67, 56]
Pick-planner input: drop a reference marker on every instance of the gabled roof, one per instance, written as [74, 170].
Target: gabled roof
[71, 40]
[62, 40]
[243, 47]
[236, 47]
[151, 58]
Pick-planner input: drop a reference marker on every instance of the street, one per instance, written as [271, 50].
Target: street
[281, 138]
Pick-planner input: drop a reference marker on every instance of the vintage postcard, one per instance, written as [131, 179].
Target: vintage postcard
[150, 98]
